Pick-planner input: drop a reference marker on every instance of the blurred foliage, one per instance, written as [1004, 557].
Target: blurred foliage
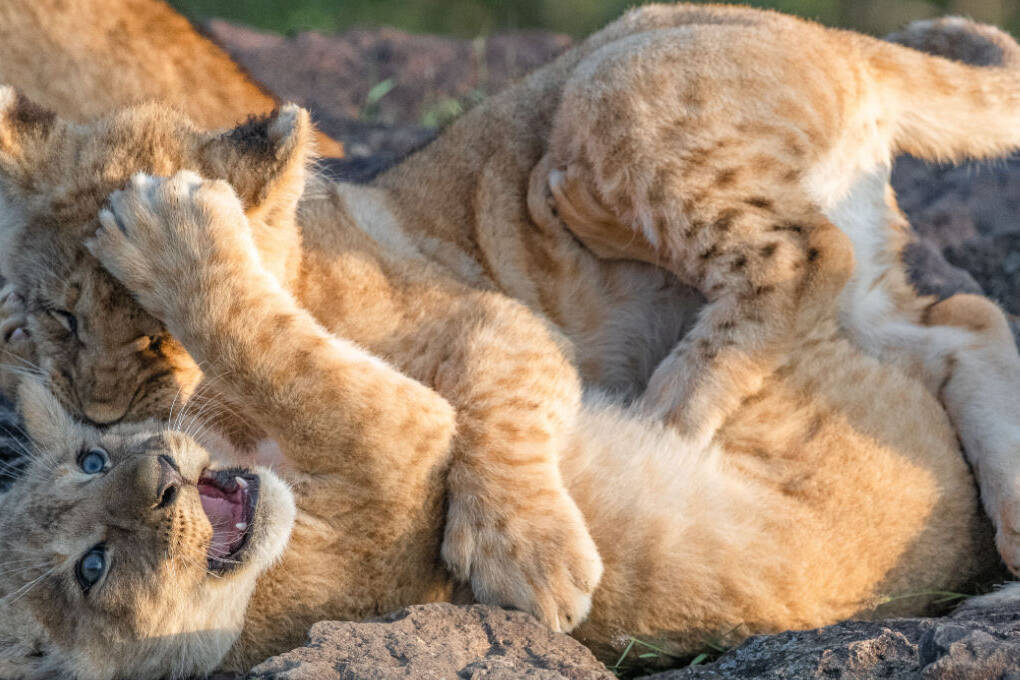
[469, 18]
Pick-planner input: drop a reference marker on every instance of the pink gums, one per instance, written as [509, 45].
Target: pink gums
[225, 510]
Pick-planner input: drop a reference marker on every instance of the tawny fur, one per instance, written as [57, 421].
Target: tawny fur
[86, 58]
[776, 525]
[420, 271]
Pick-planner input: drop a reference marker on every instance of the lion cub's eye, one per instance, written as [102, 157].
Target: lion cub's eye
[67, 320]
[93, 461]
[91, 567]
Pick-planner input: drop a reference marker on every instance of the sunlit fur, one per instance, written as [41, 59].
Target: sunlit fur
[837, 491]
[435, 275]
[157, 610]
[89, 57]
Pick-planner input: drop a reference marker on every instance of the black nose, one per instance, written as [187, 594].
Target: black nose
[169, 483]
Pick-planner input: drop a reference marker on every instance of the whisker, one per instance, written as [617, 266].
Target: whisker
[26, 589]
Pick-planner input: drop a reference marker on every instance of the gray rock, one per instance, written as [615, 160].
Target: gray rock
[436, 641]
[967, 225]
[932, 274]
[970, 645]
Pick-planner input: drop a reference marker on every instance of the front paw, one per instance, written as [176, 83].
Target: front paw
[541, 560]
[159, 237]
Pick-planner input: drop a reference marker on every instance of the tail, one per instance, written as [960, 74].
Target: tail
[956, 90]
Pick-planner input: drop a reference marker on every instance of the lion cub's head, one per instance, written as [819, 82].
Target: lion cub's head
[104, 358]
[124, 554]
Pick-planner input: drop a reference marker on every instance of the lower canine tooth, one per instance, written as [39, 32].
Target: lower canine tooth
[241, 526]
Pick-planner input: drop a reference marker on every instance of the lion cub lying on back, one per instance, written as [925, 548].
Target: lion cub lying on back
[838, 484]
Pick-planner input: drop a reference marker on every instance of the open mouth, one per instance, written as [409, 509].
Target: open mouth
[229, 498]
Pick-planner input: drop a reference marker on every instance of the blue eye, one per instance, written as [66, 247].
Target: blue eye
[91, 567]
[93, 461]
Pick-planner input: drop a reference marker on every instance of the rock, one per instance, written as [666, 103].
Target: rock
[994, 262]
[967, 221]
[972, 644]
[932, 274]
[436, 641]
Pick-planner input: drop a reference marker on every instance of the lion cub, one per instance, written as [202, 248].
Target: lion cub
[837, 487]
[745, 152]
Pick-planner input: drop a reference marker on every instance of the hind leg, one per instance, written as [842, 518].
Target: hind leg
[961, 348]
[769, 278]
[649, 160]
[971, 361]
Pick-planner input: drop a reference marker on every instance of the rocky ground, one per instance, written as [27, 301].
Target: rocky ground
[472, 643]
[375, 90]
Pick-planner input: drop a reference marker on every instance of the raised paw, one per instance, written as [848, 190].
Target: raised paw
[541, 560]
[592, 222]
[159, 235]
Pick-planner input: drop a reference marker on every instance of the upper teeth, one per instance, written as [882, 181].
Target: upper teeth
[241, 526]
[241, 483]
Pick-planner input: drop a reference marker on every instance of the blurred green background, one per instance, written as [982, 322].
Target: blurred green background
[470, 18]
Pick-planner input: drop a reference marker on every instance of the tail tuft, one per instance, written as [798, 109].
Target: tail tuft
[961, 40]
[955, 87]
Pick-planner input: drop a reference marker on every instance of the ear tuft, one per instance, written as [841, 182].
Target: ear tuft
[264, 157]
[291, 123]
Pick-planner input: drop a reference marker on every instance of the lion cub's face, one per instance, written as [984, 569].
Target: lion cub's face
[124, 555]
[104, 358]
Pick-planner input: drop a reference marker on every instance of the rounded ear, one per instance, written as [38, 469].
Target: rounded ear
[264, 159]
[47, 424]
[25, 130]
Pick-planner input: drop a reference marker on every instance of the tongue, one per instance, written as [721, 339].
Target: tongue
[224, 514]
